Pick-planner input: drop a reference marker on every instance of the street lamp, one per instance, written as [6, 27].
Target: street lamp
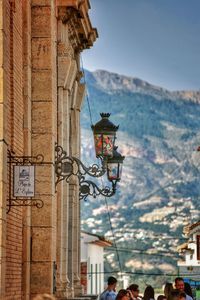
[114, 166]
[104, 138]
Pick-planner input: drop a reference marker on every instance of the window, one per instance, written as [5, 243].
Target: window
[198, 247]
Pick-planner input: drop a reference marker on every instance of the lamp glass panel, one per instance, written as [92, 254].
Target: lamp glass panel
[108, 141]
[98, 142]
[113, 171]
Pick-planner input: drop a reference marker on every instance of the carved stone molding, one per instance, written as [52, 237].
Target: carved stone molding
[65, 50]
[74, 13]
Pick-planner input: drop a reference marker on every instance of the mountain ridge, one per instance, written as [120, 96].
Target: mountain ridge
[113, 82]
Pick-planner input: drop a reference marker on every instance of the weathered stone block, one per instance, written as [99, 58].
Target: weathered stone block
[27, 81]
[41, 2]
[1, 82]
[1, 47]
[3, 159]
[71, 76]
[41, 243]
[44, 215]
[41, 277]
[43, 144]
[64, 64]
[42, 117]
[1, 121]
[67, 3]
[42, 86]
[45, 183]
[1, 15]
[41, 21]
[3, 200]
[41, 53]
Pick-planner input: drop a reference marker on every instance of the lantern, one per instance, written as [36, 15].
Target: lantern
[104, 136]
[114, 166]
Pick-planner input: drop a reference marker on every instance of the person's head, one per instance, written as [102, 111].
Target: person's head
[161, 297]
[182, 296]
[134, 288]
[112, 282]
[167, 289]
[44, 297]
[123, 295]
[179, 284]
[148, 293]
[188, 289]
[174, 294]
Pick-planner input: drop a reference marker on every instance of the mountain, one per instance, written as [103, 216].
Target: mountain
[159, 133]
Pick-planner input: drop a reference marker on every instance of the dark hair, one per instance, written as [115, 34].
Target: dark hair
[111, 280]
[133, 287]
[148, 293]
[174, 294]
[178, 279]
[161, 297]
[167, 289]
[188, 289]
[182, 294]
[121, 294]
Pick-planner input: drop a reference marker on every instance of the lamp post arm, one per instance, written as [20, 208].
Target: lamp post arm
[89, 188]
[66, 166]
[95, 170]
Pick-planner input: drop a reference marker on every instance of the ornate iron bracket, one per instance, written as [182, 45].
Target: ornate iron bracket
[67, 166]
[89, 188]
[20, 161]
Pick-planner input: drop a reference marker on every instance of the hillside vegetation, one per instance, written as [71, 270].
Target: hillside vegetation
[159, 134]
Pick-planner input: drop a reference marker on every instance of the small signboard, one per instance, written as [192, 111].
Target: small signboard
[24, 181]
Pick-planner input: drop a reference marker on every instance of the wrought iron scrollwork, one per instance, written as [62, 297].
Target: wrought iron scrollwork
[24, 160]
[89, 188]
[26, 202]
[66, 166]
[14, 160]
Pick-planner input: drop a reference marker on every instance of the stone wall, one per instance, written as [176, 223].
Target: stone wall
[40, 102]
[11, 138]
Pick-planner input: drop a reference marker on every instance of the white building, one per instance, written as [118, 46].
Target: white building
[189, 266]
[92, 262]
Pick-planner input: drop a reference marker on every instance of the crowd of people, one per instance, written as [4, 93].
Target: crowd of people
[177, 291]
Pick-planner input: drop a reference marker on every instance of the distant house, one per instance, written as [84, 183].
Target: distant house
[92, 262]
[189, 266]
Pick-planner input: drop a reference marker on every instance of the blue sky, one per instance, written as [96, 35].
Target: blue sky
[155, 40]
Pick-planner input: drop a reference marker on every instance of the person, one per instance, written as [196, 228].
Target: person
[110, 291]
[44, 297]
[148, 293]
[188, 289]
[134, 292]
[179, 284]
[123, 295]
[167, 289]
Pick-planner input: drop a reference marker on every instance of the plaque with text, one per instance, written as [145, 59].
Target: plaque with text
[24, 181]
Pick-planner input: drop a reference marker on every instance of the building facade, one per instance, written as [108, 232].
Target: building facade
[40, 100]
[189, 266]
[92, 262]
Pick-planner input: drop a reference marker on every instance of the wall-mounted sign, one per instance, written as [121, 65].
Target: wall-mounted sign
[24, 181]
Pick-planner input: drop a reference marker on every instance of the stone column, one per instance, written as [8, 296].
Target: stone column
[78, 95]
[44, 135]
[27, 142]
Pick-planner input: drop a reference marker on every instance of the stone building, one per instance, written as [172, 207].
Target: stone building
[92, 262]
[189, 265]
[40, 100]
